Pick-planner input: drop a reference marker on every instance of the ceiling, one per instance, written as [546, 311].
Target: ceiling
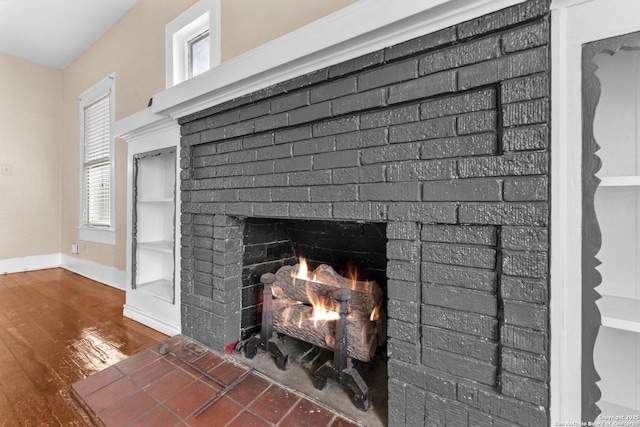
[55, 32]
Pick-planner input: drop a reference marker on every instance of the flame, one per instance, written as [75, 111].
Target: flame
[303, 270]
[323, 310]
[352, 272]
[375, 313]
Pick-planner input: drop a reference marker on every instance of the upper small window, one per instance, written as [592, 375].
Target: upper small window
[192, 42]
[198, 58]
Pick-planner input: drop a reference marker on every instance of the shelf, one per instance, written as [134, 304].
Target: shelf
[160, 246]
[161, 288]
[158, 200]
[620, 313]
[611, 409]
[620, 181]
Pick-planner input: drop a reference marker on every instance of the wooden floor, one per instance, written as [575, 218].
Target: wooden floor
[56, 328]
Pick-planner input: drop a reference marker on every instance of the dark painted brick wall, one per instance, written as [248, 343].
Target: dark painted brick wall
[266, 248]
[445, 139]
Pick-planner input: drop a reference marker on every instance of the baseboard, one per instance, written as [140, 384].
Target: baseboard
[151, 321]
[100, 273]
[29, 263]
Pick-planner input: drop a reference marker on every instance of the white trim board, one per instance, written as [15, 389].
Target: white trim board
[100, 273]
[144, 124]
[153, 322]
[572, 25]
[29, 263]
[363, 27]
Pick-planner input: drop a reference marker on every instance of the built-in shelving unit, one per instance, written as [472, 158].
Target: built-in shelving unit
[154, 222]
[617, 204]
[153, 296]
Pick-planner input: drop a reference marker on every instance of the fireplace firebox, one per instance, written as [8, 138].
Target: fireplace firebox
[334, 311]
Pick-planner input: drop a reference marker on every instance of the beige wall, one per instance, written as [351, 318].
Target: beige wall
[30, 120]
[39, 213]
[133, 49]
[247, 24]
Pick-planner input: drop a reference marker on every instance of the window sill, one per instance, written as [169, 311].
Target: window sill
[96, 235]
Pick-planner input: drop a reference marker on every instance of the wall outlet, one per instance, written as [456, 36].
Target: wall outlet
[75, 249]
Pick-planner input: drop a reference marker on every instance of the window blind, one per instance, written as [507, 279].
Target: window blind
[97, 164]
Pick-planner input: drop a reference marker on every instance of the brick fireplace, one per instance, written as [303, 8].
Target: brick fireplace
[442, 143]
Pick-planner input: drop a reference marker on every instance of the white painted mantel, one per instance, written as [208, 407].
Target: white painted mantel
[358, 29]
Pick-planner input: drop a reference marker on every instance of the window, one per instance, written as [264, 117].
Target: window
[192, 42]
[198, 56]
[96, 108]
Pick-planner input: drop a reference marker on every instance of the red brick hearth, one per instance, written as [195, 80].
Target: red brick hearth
[152, 388]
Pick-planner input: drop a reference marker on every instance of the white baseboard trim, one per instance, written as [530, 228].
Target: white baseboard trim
[100, 273]
[159, 325]
[29, 263]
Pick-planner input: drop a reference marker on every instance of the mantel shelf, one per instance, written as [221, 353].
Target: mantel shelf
[620, 181]
[620, 313]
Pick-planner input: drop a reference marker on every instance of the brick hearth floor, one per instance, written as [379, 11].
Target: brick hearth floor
[157, 389]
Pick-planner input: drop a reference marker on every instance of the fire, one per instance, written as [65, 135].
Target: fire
[352, 274]
[302, 272]
[310, 302]
[375, 313]
[322, 308]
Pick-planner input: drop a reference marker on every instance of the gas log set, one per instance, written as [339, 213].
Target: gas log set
[326, 310]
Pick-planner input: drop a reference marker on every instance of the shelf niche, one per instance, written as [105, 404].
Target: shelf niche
[154, 180]
[616, 130]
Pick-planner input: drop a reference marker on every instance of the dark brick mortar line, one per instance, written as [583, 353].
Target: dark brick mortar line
[499, 256]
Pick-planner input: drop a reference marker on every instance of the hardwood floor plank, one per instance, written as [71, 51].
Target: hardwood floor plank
[56, 328]
[9, 416]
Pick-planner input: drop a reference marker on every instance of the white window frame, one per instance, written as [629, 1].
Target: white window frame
[105, 235]
[202, 16]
